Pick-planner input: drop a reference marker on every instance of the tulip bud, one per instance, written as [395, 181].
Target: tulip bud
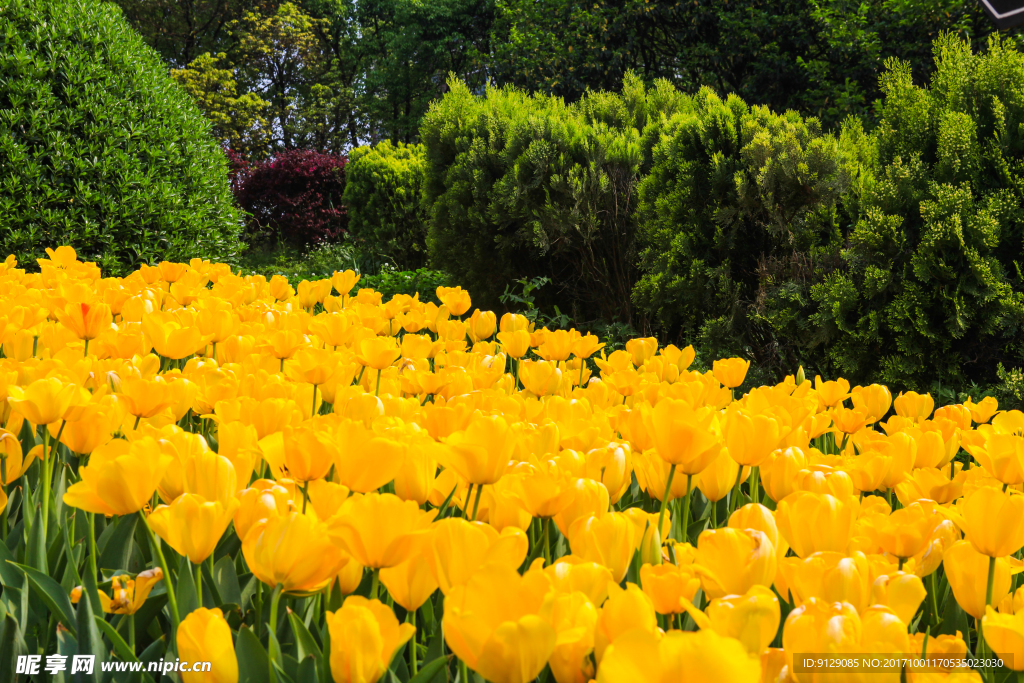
[650, 546]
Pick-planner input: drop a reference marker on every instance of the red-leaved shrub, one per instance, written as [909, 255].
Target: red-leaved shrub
[294, 196]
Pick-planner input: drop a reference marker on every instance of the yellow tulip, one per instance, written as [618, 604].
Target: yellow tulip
[516, 343]
[121, 483]
[731, 561]
[85, 320]
[492, 623]
[264, 499]
[779, 470]
[967, 572]
[874, 400]
[902, 593]
[344, 281]
[612, 465]
[666, 583]
[983, 410]
[480, 453]
[411, 583]
[571, 574]
[718, 479]
[381, 530]
[811, 522]
[683, 436]
[907, 531]
[455, 299]
[15, 463]
[293, 550]
[751, 618]
[730, 372]
[457, 548]
[1004, 635]
[192, 525]
[1002, 455]
[204, 636]
[573, 617]
[625, 610]
[914, 405]
[750, 438]
[832, 392]
[172, 338]
[820, 626]
[482, 325]
[378, 353]
[96, 426]
[365, 635]
[993, 521]
[364, 460]
[42, 402]
[701, 657]
[543, 490]
[830, 577]
[557, 345]
[608, 539]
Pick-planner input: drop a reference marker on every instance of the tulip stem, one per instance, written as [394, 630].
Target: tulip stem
[734, 498]
[664, 499]
[138, 419]
[463, 672]
[686, 510]
[275, 599]
[44, 472]
[414, 666]
[376, 392]
[755, 484]
[935, 599]
[91, 521]
[583, 365]
[547, 545]
[374, 584]
[131, 632]
[199, 583]
[714, 514]
[172, 602]
[991, 580]
[312, 413]
[476, 502]
[305, 496]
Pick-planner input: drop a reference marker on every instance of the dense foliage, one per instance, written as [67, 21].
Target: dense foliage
[929, 285]
[341, 73]
[733, 190]
[526, 186]
[98, 147]
[383, 191]
[294, 197]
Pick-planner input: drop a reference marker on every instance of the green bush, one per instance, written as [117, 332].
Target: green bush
[522, 186]
[99, 148]
[732, 189]
[383, 188]
[930, 286]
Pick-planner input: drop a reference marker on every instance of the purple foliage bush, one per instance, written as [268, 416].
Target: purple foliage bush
[294, 197]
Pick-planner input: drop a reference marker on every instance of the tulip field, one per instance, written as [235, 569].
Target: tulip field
[312, 484]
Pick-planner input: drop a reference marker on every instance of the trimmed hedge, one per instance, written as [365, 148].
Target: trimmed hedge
[99, 149]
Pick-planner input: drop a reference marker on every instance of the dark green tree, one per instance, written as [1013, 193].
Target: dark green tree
[930, 286]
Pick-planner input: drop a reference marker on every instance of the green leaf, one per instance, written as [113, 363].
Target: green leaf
[120, 647]
[89, 640]
[253, 664]
[429, 670]
[185, 589]
[305, 645]
[52, 594]
[226, 580]
[118, 550]
[12, 644]
[307, 671]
